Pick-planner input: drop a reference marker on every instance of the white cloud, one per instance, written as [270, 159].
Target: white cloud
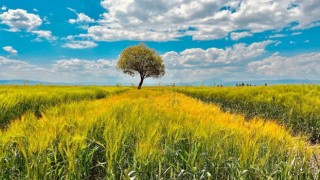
[277, 36]
[166, 20]
[214, 64]
[81, 18]
[76, 65]
[198, 64]
[15, 69]
[3, 8]
[299, 66]
[65, 70]
[46, 21]
[18, 69]
[42, 34]
[195, 75]
[277, 43]
[296, 33]
[71, 9]
[238, 35]
[203, 59]
[11, 65]
[101, 33]
[18, 19]
[81, 70]
[10, 50]
[80, 44]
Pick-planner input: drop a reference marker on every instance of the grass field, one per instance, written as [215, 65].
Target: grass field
[148, 134]
[15, 100]
[295, 106]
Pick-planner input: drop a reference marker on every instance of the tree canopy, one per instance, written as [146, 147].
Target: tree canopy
[141, 60]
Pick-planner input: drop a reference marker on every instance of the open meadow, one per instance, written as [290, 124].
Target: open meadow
[51, 132]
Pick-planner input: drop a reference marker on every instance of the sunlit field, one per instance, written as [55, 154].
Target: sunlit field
[295, 106]
[15, 100]
[154, 133]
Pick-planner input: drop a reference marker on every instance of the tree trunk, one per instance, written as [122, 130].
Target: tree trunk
[140, 84]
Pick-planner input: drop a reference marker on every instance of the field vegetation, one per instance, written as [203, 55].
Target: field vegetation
[295, 106]
[150, 135]
[16, 100]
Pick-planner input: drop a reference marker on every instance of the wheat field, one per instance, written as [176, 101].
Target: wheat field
[155, 133]
[295, 106]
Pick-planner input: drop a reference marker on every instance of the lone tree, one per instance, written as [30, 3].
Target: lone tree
[141, 60]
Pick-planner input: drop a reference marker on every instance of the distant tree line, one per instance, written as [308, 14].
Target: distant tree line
[243, 84]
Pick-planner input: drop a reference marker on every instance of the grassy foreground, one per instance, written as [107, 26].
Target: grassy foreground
[295, 106]
[16, 100]
[149, 135]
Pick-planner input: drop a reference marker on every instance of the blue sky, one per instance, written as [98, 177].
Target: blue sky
[80, 40]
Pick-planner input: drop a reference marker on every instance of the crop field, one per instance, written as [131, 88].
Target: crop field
[15, 100]
[158, 132]
[295, 106]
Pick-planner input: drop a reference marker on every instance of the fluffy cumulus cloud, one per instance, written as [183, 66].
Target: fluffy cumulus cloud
[20, 19]
[201, 64]
[80, 44]
[213, 57]
[10, 50]
[42, 34]
[299, 66]
[166, 20]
